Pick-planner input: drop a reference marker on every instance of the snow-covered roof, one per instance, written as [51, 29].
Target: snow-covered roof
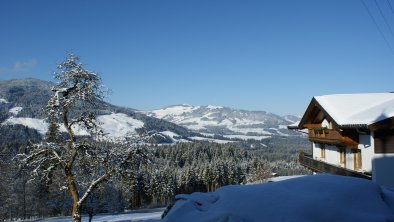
[358, 109]
[293, 125]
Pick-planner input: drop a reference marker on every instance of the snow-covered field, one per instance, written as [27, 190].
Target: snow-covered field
[114, 126]
[197, 138]
[3, 100]
[15, 110]
[38, 124]
[153, 215]
[245, 137]
[119, 125]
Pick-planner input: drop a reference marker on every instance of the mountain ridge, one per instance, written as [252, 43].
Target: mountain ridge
[22, 102]
[224, 120]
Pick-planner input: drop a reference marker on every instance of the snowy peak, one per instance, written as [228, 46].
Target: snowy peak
[172, 111]
[292, 119]
[214, 107]
[225, 121]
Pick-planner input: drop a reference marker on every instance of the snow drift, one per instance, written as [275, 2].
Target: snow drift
[311, 198]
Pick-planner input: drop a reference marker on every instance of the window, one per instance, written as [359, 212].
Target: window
[342, 155]
[322, 151]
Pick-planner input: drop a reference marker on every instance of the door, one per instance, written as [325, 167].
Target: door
[357, 159]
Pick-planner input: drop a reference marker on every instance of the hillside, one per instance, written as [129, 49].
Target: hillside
[153, 177]
[22, 102]
[227, 122]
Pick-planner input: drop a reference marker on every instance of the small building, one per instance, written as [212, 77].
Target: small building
[351, 134]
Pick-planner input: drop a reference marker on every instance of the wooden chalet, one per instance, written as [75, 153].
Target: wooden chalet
[351, 134]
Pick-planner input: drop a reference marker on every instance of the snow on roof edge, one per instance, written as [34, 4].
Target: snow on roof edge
[358, 110]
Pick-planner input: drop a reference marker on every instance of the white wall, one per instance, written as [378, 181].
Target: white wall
[332, 155]
[381, 165]
[383, 169]
[367, 152]
[316, 150]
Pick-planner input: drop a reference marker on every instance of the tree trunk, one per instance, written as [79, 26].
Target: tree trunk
[72, 188]
[24, 195]
[90, 217]
[76, 214]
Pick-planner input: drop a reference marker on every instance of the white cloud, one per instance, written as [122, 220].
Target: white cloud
[19, 67]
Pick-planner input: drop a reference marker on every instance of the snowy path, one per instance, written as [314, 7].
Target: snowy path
[153, 215]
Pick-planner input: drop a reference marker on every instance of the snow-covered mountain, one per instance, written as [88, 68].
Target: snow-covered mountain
[230, 123]
[22, 102]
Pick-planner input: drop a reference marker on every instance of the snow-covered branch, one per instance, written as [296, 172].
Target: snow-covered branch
[43, 150]
[92, 186]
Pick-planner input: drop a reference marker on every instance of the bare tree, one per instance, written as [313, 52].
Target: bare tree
[84, 163]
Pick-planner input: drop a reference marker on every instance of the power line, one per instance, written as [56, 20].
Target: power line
[391, 7]
[377, 26]
[384, 18]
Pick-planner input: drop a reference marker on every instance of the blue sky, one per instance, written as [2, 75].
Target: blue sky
[255, 55]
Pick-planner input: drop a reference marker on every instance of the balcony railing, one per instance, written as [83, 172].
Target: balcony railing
[323, 167]
[330, 136]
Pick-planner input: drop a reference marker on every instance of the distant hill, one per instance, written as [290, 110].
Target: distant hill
[31, 94]
[22, 102]
[228, 122]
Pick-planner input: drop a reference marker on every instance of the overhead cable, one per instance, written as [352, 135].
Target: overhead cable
[384, 18]
[377, 26]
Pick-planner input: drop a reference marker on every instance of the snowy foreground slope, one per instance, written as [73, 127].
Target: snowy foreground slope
[152, 215]
[321, 197]
[311, 198]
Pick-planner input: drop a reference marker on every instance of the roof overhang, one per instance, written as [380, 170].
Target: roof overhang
[383, 124]
[367, 111]
[315, 112]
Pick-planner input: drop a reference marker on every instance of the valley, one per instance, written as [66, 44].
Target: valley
[176, 149]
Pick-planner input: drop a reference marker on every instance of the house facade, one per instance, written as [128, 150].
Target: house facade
[351, 134]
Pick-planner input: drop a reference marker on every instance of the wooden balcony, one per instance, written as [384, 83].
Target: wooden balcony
[329, 136]
[323, 167]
